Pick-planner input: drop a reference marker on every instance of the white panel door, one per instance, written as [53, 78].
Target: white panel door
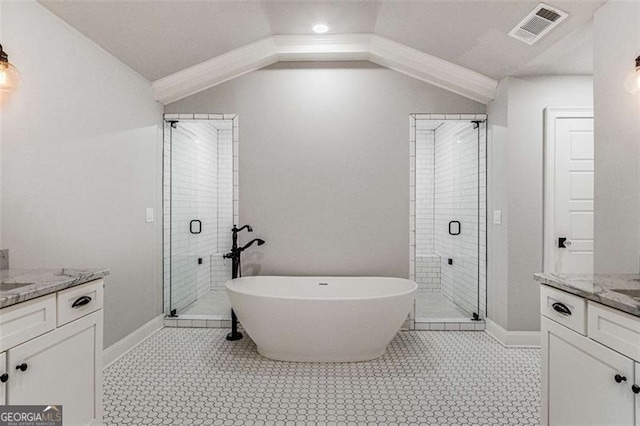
[579, 384]
[573, 196]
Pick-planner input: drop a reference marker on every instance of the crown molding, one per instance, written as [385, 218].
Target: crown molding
[433, 70]
[347, 47]
[215, 71]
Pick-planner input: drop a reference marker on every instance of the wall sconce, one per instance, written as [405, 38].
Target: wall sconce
[632, 83]
[9, 75]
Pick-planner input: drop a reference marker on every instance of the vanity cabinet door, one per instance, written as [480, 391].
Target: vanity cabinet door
[635, 387]
[4, 377]
[579, 383]
[62, 367]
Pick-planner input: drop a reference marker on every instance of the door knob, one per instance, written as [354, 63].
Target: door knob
[563, 242]
[22, 367]
[619, 379]
[635, 389]
[4, 378]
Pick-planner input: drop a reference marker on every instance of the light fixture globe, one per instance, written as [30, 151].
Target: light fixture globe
[320, 28]
[9, 75]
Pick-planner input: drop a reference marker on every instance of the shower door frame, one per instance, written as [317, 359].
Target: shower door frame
[167, 189]
[482, 213]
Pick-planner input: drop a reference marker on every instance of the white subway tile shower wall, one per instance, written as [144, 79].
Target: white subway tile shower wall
[220, 271]
[225, 192]
[198, 184]
[425, 171]
[428, 273]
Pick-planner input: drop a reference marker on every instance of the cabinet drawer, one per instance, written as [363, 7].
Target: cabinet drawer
[79, 301]
[564, 308]
[24, 321]
[615, 329]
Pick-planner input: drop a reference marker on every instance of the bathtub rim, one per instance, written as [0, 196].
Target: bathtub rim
[386, 296]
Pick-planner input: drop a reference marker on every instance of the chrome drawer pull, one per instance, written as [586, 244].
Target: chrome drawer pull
[561, 308]
[81, 301]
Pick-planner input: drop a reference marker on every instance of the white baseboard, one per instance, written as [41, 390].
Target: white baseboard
[124, 345]
[512, 339]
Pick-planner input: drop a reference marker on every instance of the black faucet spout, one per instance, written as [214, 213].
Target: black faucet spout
[250, 243]
[247, 227]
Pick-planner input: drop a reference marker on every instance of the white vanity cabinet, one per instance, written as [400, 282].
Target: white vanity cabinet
[62, 365]
[581, 388]
[4, 376]
[589, 371]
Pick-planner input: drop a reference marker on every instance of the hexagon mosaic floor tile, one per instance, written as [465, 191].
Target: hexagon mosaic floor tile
[193, 376]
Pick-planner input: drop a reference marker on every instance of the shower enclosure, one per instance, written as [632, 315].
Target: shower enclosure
[199, 188]
[448, 219]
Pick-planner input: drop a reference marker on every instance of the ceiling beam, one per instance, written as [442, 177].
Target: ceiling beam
[348, 47]
[215, 71]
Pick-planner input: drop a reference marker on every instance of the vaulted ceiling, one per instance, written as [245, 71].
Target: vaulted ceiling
[161, 38]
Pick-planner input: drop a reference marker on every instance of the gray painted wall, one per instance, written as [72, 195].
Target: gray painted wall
[497, 199]
[517, 190]
[617, 134]
[81, 156]
[324, 163]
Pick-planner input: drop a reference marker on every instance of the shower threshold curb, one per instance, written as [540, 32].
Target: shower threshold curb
[420, 324]
[198, 321]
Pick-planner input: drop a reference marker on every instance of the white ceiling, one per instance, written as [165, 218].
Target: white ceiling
[159, 38]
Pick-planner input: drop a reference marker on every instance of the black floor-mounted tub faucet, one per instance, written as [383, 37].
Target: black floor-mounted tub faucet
[234, 255]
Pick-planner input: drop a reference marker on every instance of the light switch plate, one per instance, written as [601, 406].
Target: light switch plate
[149, 215]
[497, 217]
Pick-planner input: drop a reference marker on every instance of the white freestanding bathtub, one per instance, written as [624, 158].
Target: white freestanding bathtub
[321, 319]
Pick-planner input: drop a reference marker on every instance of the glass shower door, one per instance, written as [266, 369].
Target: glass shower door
[186, 224]
[450, 219]
[464, 199]
[198, 215]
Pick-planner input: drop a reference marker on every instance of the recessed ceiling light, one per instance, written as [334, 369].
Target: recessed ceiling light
[320, 28]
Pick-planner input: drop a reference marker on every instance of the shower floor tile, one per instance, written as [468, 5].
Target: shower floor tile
[435, 305]
[213, 303]
[194, 376]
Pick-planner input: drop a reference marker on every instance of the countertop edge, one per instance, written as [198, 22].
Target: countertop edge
[561, 284]
[39, 291]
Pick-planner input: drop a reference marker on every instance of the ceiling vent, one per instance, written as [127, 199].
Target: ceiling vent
[539, 22]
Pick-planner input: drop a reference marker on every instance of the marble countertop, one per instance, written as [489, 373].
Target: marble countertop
[40, 282]
[599, 288]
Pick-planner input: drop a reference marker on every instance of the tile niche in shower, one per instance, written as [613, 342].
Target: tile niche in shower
[200, 157]
[448, 217]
